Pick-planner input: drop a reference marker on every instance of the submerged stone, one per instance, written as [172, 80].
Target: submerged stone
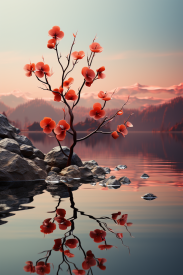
[149, 197]
[144, 176]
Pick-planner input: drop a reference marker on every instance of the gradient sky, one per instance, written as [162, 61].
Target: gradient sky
[142, 41]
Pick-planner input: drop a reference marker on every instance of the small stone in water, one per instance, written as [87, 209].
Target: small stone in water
[149, 197]
[144, 176]
[119, 167]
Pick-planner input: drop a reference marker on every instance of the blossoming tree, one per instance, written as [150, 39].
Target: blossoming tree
[69, 97]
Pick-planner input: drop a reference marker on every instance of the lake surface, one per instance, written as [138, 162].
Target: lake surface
[152, 235]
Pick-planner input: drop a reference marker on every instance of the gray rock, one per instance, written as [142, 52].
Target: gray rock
[124, 180]
[90, 164]
[107, 170]
[33, 156]
[55, 169]
[15, 168]
[85, 172]
[6, 129]
[98, 171]
[10, 145]
[113, 184]
[40, 163]
[57, 159]
[23, 140]
[71, 171]
[26, 150]
[51, 173]
[48, 168]
[38, 153]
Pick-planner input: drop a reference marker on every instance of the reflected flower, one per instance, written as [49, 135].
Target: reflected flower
[88, 262]
[78, 272]
[98, 235]
[71, 243]
[105, 246]
[101, 262]
[59, 211]
[29, 267]
[42, 268]
[123, 219]
[58, 245]
[47, 227]
[68, 254]
[115, 215]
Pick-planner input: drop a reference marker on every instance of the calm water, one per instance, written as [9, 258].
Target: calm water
[152, 236]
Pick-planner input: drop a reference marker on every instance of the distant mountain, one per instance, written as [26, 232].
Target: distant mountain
[3, 107]
[35, 127]
[160, 118]
[177, 127]
[12, 101]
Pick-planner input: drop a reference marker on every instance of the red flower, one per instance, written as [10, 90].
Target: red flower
[29, 68]
[57, 94]
[88, 74]
[88, 262]
[100, 72]
[122, 129]
[115, 135]
[42, 269]
[71, 95]
[51, 43]
[71, 243]
[101, 261]
[78, 55]
[47, 227]
[129, 223]
[105, 246]
[29, 267]
[119, 235]
[97, 113]
[56, 33]
[47, 124]
[68, 254]
[128, 124]
[57, 245]
[61, 129]
[123, 219]
[68, 82]
[42, 69]
[104, 96]
[78, 272]
[59, 211]
[88, 84]
[95, 47]
[98, 235]
[119, 113]
[115, 215]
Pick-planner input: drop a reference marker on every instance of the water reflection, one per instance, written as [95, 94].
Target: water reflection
[164, 146]
[71, 241]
